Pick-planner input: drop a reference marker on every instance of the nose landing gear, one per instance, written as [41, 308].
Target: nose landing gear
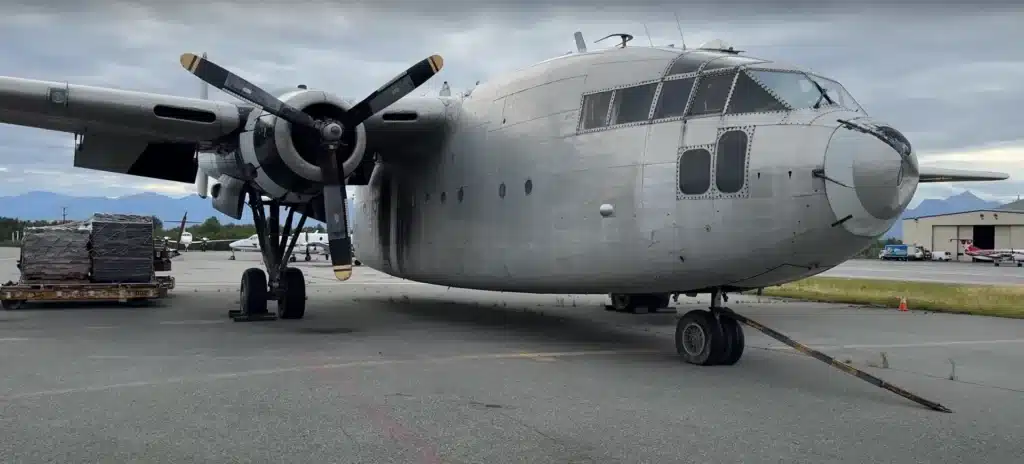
[715, 337]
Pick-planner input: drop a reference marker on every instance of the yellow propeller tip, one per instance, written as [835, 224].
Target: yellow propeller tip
[343, 273]
[189, 61]
[436, 62]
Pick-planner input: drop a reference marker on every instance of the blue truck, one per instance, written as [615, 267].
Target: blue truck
[902, 252]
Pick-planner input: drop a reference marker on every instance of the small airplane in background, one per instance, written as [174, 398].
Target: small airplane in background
[996, 256]
[309, 244]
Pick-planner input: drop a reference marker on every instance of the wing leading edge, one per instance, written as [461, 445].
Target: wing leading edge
[125, 132]
[929, 175]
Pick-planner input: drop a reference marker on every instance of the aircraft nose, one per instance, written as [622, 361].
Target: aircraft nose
[871, 175]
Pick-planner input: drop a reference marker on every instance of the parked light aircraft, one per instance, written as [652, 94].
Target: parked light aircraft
[995, 256]
[632, 171]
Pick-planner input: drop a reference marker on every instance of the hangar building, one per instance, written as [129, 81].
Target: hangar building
[988, 228]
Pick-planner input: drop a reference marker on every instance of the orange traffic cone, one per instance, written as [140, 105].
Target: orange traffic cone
[903, 303]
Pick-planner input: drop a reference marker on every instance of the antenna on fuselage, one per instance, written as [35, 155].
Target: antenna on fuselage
[680, 27]
[625, 38]
[581, 45]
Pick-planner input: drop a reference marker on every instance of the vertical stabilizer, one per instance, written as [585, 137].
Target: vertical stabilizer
[202, 180]
[581, 46]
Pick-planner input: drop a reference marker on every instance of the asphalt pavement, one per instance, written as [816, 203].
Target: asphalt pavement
[385, 370]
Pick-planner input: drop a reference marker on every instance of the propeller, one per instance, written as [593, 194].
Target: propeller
[328, 131]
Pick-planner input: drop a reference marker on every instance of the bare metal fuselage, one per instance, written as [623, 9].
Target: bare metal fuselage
[513, 200]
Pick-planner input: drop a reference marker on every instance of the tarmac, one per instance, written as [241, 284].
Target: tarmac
[384, 370]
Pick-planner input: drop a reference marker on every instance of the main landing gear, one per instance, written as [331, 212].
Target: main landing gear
[280, 283]
[715, 337]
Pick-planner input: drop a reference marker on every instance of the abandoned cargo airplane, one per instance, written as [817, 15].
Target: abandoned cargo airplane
[634, 171]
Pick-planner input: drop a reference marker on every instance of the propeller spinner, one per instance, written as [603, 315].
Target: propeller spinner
[328, 131]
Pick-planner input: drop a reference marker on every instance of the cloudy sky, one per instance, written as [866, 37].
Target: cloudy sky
[948, 77]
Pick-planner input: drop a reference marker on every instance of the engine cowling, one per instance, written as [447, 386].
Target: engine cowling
[281, 162]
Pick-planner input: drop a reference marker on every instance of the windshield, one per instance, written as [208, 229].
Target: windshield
[794, 89]
[838, 94]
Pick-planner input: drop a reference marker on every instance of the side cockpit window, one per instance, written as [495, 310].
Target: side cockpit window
[750, 97]
[673, 98]
[595, 110]
[710, 94]
[794, 89]
[695, 171]
[633, 104]
[731, 162]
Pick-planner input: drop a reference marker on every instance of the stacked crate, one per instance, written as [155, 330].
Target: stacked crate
[55, 254]
[122, 248]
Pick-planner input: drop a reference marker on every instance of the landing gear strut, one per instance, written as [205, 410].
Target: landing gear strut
[715, 337]
[280, 283]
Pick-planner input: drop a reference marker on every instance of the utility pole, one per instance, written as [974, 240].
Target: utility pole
[64, 215]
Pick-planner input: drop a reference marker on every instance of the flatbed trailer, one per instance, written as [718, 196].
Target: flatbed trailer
[14, 295]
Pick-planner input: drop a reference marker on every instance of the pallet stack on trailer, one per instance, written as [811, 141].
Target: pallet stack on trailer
[108, 257]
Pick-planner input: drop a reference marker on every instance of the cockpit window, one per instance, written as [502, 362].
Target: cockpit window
[711, 92]
[838, 93]
[795, 89]
[254, 237]
[633, 104]
[750, 97]
[673, 98]
[730, 62]
[595, 110]
[690, 62]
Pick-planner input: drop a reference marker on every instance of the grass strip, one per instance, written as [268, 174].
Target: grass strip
[984, 300]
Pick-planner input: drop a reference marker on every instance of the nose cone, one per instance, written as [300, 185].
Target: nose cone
[871, 178]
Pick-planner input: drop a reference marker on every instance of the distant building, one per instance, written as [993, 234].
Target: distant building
[988, 229]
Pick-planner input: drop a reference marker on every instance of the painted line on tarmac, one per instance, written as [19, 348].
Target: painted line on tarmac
[310, 368]
[902, 345]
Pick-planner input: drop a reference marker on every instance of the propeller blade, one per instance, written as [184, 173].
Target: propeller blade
[339, 244]
[400, 86]
[225, 80]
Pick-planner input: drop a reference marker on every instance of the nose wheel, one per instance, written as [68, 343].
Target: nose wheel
[709, 338]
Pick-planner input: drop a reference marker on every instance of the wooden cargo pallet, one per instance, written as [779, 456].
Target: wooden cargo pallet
[13, 295]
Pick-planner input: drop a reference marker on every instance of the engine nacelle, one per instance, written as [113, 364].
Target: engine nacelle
[284, 165]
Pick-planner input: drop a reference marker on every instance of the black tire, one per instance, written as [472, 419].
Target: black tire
[292, 304]
[660, 301]
[253, 294]
[735, 342]
[307, 258]
[623, 303]
[291, 259]
[712, 342]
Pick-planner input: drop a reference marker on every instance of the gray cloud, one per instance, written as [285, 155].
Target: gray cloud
[947, 75]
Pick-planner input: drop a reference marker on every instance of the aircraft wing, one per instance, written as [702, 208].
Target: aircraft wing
[125, 132]
[219, 240]
[958, 175]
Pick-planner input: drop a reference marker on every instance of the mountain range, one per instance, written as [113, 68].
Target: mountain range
[50, 206]
[959, 203]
